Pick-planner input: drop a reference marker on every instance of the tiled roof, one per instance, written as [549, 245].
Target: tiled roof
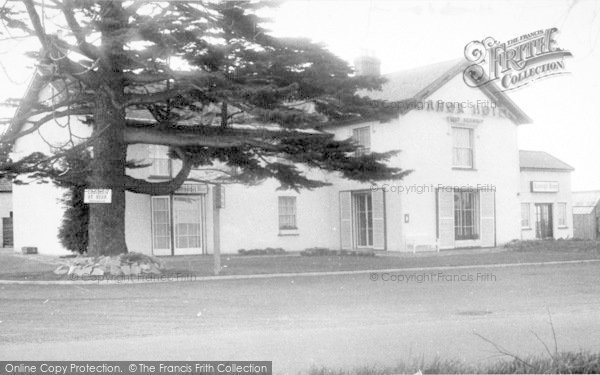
[419, 83]
[586, 198]
[407, 84]
[541, 160]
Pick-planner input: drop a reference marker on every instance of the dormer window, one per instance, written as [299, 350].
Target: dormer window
[362, 136]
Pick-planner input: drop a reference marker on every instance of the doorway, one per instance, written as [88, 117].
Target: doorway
[363, 219]
[543, 221]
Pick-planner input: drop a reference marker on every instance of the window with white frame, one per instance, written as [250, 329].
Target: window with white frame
[287, 213]
[525, 215]
[562, 214]
[362, 136]
[466, 215]
[161, 163]
[462, 147]
[161, 223]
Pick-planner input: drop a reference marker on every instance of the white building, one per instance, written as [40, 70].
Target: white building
[466, 190]
[546, 199]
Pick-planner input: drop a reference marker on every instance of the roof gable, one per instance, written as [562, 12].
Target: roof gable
[418, 84]
[541, 160]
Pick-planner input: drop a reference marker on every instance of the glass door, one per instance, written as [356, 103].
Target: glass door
[543, 220]
[187, 223]
[161, 225]
[363, 219]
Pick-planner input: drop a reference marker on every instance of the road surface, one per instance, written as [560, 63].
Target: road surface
[334, 321]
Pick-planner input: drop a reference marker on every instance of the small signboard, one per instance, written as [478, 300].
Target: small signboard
[544, 186]
[192, 189]
[97, 196]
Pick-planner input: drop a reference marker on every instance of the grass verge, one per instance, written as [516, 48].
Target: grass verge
[561, 363]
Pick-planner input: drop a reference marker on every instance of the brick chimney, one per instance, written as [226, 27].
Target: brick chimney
[367, 66]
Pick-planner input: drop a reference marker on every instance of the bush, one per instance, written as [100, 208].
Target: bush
[562, 245]
[266, 251]
[73, 231]
[322, 251]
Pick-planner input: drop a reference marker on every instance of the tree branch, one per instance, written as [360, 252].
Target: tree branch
[211, 136]
[37, 24]
[39, 122]
[86, 48]
[139, 186]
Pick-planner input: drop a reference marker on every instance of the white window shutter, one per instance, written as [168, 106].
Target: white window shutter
[488, 218]
[378, 200]
[445, 219]
[345, 220]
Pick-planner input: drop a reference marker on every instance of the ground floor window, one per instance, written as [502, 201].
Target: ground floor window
[287, 213]
[466, 215]
[161, 223]
[177, 224]
[362, 220]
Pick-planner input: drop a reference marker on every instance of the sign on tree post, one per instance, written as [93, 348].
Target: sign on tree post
[97, 196]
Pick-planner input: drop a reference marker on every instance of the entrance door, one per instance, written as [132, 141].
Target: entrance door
[7, 231]
[187, 223]
[363, 219]
[543, 220]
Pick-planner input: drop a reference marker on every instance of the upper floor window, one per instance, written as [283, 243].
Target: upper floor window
[362, 136]
[161, 164]
[287, 213]
[562, 214]
[462, 147]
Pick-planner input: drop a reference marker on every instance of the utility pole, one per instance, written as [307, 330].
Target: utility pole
[217, 205]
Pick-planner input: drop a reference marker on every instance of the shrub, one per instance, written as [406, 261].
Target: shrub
[265, 251]
[322, 251]
[73, 231]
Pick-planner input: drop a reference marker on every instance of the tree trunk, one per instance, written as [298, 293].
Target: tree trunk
[106, 229]
[107, 220]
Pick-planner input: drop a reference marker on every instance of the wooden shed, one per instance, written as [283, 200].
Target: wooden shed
[586, 215]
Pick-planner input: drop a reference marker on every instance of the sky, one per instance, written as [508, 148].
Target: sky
[410, 33]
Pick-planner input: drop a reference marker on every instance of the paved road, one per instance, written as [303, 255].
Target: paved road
[337, 321]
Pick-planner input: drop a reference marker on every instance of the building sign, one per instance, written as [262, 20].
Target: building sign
[97, 196]
[481, 108]
[192, 189]
[544, 186]
[516, 62]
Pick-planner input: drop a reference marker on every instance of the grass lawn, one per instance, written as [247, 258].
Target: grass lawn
[246, 265]
[18, 267]
[560, 363]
